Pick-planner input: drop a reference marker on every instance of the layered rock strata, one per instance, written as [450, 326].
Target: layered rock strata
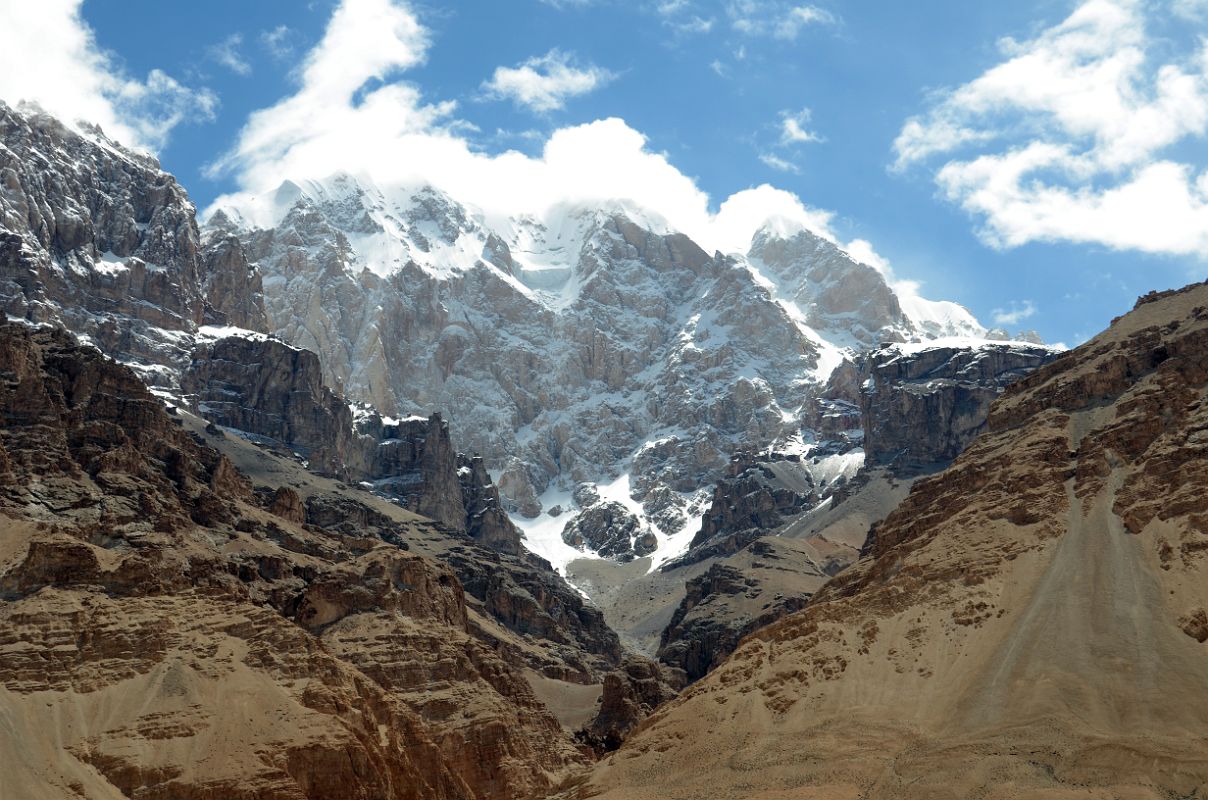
[164, 634]
[1026, 623]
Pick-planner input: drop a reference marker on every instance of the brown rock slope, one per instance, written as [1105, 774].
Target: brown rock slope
[165, 634]
[1027, 624]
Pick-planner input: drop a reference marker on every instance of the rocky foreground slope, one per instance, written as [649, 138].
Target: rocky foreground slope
[1027, 623]
[772, 536]
[166, 631]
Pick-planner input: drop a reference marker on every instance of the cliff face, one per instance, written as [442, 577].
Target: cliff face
[585, 346]
[921, 405]
[755, 497]
[264, 387]
[102, 241]
[1029, 622]
[165, 633]
[267, 388]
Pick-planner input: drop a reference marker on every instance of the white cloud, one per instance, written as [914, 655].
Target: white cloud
[351, 114]
[1194, 10]
[675, 16]
[50, 56]
[693, 25]
[782, 164]
[278, 42]
[1016, 314]
[775, 18]
[799, 17]
[544, 83]
[227, 54]
[1070, 137]
[793, 128]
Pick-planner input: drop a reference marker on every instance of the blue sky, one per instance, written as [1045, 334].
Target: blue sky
[1105, 100]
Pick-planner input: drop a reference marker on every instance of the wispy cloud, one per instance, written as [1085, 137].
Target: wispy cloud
[1194, 10]
[1014, 315]
[794, 130]
[693, 25]
[775, 18]
[1071, 137]
[791, 131]
[780, 164]
[50, 56]
[278, 42]
[684, 17]
[227, 54]
[544, 83]
[799, 17]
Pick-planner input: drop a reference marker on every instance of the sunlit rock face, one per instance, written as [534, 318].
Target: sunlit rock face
[591, 346]
[102, 241]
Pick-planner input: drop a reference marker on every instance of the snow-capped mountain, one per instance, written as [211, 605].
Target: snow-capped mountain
[100, 240]
[598, 360]
[592, 355]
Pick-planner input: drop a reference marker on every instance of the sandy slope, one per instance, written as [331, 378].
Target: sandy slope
[1027, 625]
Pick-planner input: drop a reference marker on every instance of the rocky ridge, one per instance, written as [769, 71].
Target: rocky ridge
[586, 347]
[921, 405]
[1025, 623]
[911, 408]
[102, 241]
[261, 386]
[142, 576]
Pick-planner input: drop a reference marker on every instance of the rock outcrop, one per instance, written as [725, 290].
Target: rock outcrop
[102, 241]
[1026, 623]
[264, 387]
[629, 695]
[700, 634]
[921, 405]
[270, 389]
[589, 344]
[611, 530]
[756, 497]
[164, 635]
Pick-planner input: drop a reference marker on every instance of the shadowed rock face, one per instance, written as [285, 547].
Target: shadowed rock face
[1026, 623]
[145, 587]
[611, 530]
[267, 388]
[630, 694]
[699, 637]
[921, 408]
[101, 440]
[270, 389]
[757, 496]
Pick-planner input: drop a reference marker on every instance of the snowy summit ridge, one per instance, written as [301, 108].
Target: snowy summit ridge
[580, 349]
